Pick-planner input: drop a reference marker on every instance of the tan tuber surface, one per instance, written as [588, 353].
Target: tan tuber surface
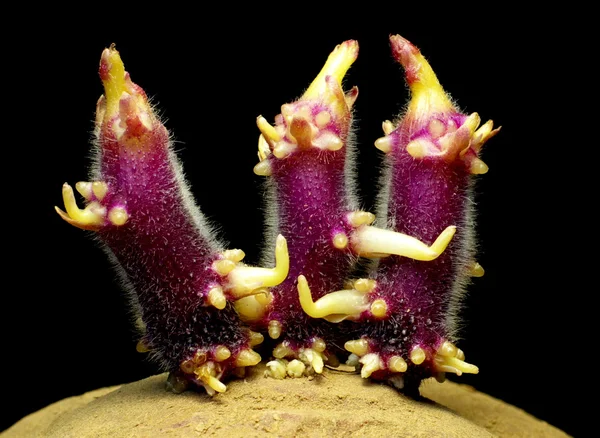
[336, 404]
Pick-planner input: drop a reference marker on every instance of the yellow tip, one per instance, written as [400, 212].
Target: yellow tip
[336, 66]
[427, 93]
[112, 73]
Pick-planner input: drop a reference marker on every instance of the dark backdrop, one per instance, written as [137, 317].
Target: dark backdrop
[67, 329]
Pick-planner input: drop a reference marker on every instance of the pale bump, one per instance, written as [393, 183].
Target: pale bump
[283, 149]
[216, 298]
[282, 350]
[417, 148]
[274, 329]
[371, 363]
[99, 188]
[397, 365]
[340, 240]
[222, 353]
[187, 366]
[436, 128]
[247, 358]
[85, 189]
[256, 338]
[142, 347]
[448, 349]
[417, 355]
[319, 345]
[223, 266]
[200, 357]
[358, 218]
[360, 347]
[118, 216]
[387, 127]
[329, 141]
[365, 285]
[313, 358]
[234, 255]
[322, 119]
[263, 168]
[295, 368]
[276, 369]
[478, 167]
[264, 149]
[384, 144]
[451, 126]
[379, 308]
[476, 270]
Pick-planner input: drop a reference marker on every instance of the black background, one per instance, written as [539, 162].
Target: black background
[67, 329]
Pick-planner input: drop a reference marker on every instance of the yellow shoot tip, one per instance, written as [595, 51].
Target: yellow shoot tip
[427, 93]
[112, 74]
[336, 66]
